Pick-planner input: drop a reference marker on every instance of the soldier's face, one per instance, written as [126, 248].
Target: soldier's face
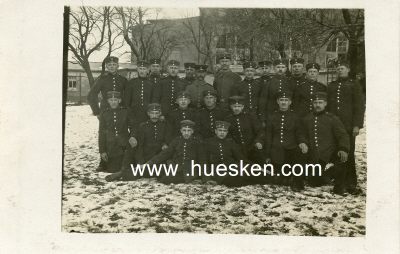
[265, 70]
[114, 102]
[189, 72]
[312, 74]
[112, 67]
[155, 68]
[319, 105]
[280, 69]
[249, 72]
[154, 115]
[173, 70]
[200, 75]
[210, 101]
[284, 103]
[186, 132]
[142, 71]
[225, 63]
[183, 102]
[343, 71]
[221, 133]
[237, 108]
[297, 69]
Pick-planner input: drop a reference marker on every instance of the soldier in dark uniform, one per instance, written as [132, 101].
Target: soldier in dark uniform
[181, 151]
[151, 137]
[169, 87]
[250, 89]
[246, 130]
[211, 113]
[110, 81]
[197, 87]
[190, 74]
[285, 142]
[224, 80]
[266, 71]
[138, 94]
[278, 83]
[114, 134]
[183, 112]
[221, 149]
[328, 144]
[155, 72]
[298, 77]
[346, 101]
[303, 96]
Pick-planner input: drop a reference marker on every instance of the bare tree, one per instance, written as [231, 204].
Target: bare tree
[86, 35]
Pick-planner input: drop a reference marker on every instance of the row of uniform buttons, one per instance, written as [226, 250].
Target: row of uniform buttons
[211, 120]
[221, 153]
[240, 131]
[311, 95]
[184, 152]
[172, 93]
[282, 124]
[338, 96]
[250, 103]
[141, 93]
[155, 131]
[115, 123]
[315, 131]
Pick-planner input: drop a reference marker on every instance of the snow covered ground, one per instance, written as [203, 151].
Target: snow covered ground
[90, 204]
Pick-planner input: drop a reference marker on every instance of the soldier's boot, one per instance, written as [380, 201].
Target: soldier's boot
[338, 189]
[114, 176]
[102, 167]
[297, 184]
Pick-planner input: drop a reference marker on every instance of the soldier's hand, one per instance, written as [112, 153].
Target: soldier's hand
[268, 160]
[258, 145]
[164, 147]
[104, 156]
[132, 142]
[303, 148]
[356, 131]
[162, 118]
[343, 156]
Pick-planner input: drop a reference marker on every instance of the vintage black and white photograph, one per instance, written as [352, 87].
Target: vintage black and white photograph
[214, 120]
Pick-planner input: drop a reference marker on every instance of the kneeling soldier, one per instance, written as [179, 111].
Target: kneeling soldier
[328, 143]
[246, 130]
[284, 141]
[180, 152]
[114, 132]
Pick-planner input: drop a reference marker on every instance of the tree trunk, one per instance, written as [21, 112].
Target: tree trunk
[86, 68]
[352, 55]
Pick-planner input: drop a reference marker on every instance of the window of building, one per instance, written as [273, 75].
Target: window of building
[72, 84]
[339, 44]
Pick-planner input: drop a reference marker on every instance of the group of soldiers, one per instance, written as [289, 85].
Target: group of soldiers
[276, 118]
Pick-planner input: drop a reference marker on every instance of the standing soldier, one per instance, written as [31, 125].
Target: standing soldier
[224, 80]
[246, 130]
[305, 91]
[110, 81]
[250, 89]
[278, 83]
[138, 94]
[181, 152]
[198, 86]
[345, 100]
[297, 77]
[328, 144]
[169, 88]
[114, 133]
[266, 72]
[155, 72]
[284, 140]
[211, 113]
[189, 73]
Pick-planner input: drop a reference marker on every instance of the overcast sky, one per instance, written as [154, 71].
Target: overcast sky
[165, 13]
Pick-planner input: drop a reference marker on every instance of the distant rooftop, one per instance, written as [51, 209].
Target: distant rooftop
[96, 66]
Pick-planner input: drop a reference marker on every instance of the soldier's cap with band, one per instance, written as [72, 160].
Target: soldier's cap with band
[222, 125]
[320, 96]
[201, 67]
[312, 66]
[297, 60]
[183, 94]
[209, 92]
[225, 56]
[173, 63]
[280, 62]
[189, 65]
[113, 94]
[110, 59]
[343, 63]
[187, 123]
[247, 65]
[284, 94]
[264, 63]
[155, 61]
[142, 63]
[236, 100]
[153, 107]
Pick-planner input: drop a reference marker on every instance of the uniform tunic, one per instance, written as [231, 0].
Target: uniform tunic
[206, 120]
[297, 80]
[196, 90]
[167, 93]
[105, 83]
[223, 83]
[303, 96]
[155, 80]
[188, 81]
[175, 117]
[250, 89]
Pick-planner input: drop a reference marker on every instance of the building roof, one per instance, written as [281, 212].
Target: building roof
[96, 66]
